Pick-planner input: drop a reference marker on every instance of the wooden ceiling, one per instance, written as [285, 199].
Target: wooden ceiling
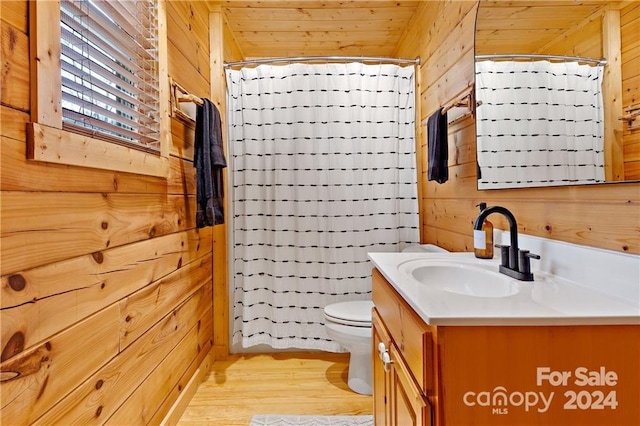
[273, 28]
[532, 26]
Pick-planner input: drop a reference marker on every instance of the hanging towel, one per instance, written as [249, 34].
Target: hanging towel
[209, 161]
[437, 136]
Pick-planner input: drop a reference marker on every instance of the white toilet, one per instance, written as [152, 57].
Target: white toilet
[349, 324]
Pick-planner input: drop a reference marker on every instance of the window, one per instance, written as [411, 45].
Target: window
[110, 69]
[101, 97]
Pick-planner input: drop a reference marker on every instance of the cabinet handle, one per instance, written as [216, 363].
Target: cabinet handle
[381, 349]
[383, 353]
[386, 361]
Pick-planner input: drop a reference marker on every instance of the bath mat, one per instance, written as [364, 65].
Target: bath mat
[293, 420]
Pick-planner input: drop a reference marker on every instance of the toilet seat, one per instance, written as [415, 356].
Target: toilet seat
[355, 313]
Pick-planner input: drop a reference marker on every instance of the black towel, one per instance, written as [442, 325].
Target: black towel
[209, 161]
[437, 141]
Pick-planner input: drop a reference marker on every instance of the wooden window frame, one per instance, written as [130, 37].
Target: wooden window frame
[48, 142]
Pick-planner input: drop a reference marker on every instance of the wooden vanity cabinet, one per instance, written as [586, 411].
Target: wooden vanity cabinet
[381, 376]
[502, 375]
[402, 348]
[397, 399]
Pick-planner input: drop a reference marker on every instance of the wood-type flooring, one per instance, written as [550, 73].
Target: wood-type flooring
[283, 383]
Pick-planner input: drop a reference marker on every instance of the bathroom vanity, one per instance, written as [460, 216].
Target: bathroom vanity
[516, 357]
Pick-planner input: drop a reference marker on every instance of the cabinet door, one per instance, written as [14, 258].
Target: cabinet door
[409, 332]
[408, 405]
[381, 376]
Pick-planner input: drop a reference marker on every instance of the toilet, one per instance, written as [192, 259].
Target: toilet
[349, 324]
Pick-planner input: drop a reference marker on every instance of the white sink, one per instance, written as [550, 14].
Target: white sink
[456, 289]
[463, 278]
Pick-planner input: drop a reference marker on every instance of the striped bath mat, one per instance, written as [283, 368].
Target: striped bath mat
[293, 420]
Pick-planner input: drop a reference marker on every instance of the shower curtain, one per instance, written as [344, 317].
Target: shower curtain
[539, 123]
[323, 171]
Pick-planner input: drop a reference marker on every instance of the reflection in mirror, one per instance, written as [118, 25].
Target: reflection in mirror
[553, 120]
[539, 124]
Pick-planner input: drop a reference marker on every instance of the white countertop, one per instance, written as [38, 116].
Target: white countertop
[548, 300]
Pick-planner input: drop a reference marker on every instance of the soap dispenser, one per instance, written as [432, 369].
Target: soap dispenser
[483, 239]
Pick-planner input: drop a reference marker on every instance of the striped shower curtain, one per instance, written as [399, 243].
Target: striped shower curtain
[539, 123]
[323, 171]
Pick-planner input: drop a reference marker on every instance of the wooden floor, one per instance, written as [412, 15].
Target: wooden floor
[285, 383]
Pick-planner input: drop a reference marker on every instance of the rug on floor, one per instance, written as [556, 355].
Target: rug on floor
[294, 420]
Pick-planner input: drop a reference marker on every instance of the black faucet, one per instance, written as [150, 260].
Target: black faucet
[514, 262]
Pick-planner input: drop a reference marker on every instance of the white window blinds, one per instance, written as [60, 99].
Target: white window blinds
[109, 61]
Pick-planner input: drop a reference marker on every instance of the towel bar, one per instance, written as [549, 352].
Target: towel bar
[180, 95]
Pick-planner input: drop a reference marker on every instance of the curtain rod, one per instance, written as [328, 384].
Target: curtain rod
[551, 57]
[323, 59]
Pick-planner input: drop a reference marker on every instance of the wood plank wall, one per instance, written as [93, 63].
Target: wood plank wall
[604, 216]
[223, 49]
[629, 29]
[106, 284]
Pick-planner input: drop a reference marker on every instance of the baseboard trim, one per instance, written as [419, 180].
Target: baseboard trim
[177, 409]
[221, 353]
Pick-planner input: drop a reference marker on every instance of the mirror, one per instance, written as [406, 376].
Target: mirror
[599, 148]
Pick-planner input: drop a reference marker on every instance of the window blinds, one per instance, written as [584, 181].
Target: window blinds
[109, 61]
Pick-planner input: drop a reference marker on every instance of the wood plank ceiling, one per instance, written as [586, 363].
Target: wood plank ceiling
[274, 28]
[529, 26]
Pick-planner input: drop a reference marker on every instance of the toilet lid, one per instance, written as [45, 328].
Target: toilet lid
[356, 312]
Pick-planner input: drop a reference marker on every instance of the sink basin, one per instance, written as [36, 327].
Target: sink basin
[462, 278]
[456, 289]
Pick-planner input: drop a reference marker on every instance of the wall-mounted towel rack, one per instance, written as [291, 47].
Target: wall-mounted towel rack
[190, 98]
[462, 105]
[632, 116]
[179, 96]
